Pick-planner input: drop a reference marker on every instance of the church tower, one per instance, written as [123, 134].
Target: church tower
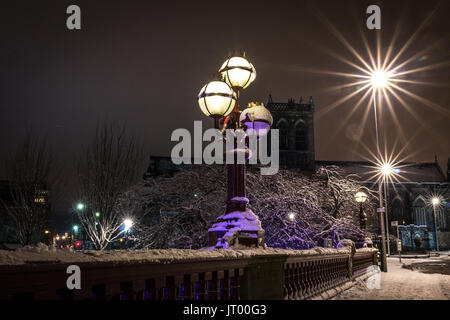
[295, 122]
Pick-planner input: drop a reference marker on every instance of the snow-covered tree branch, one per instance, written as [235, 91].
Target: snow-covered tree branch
[296, 210]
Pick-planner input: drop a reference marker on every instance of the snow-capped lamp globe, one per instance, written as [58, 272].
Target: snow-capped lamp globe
[216, 99]
[238, 72]
[256, 119]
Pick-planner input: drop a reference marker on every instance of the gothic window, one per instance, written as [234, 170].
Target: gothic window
[300, 137]
[283, 131]
[420, 212]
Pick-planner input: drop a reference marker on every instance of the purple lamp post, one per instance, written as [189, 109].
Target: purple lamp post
[239, 226]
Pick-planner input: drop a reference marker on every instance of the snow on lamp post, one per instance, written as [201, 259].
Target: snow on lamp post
[219, 100]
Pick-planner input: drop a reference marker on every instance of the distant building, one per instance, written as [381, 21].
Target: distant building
[161, 166]
[295, 122]
[409, 197]
[13, 198]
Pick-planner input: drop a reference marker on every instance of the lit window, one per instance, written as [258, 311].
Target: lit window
[39, 200]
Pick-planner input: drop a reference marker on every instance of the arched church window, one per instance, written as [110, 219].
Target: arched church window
[300, 137]
[420, 212]
[283, 131]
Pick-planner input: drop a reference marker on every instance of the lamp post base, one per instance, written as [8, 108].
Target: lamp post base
[236, 230]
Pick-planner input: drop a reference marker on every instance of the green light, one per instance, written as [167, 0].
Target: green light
[97, 214]
[75, 228]
[195, 195]
[80, 206]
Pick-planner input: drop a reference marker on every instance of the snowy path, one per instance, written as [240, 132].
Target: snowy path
[404, 284]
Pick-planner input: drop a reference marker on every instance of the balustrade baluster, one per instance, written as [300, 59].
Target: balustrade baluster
[298, 287]
[213, 294]
[202, 286]
[235, 285]
[226, 284]
[187, 284]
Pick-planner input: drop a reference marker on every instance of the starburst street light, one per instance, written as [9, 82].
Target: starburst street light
[435, 202]
[386, 169]
[380, 79]
[128, 223]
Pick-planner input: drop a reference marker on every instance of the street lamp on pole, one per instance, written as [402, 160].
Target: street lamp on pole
[379, 79]
[219, 99]
[361, 197]
[435, 201]
[386, 171]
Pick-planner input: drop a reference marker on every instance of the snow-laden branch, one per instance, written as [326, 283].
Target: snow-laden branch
[296, 210]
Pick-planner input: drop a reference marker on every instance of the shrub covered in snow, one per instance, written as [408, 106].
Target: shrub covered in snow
[296, 210]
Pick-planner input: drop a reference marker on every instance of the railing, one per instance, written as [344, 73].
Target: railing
[274, 276]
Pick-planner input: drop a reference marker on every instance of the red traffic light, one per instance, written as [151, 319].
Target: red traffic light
[78, 244]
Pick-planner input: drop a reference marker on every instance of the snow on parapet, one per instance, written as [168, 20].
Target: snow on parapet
[42, 254]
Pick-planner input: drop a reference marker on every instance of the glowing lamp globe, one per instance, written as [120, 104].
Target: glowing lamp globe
[380, 79]
[216, 99]
[435, 201]
[128, 223]
[256, 119]
[238, 72]
[360, 197]
[386, 169]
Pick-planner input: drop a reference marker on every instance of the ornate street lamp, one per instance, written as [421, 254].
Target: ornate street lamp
[219, 100]
[238, 72]
[361, 197]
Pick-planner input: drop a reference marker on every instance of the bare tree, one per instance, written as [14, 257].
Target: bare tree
[111, 164]
[296, 210]
[31, 177]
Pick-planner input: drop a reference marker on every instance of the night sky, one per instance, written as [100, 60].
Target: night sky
[144, 62]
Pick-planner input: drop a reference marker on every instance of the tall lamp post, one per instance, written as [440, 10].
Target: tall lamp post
[435, 201]
[386, 171]
[379, 80]
[361, 197]
[219, 99]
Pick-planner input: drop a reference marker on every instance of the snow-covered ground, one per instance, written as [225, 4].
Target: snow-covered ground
[42, 253]
[427, 281]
